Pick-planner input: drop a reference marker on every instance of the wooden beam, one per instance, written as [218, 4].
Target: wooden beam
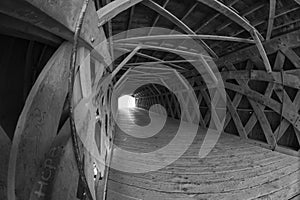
[131, 12]
[110, 38]
[149, 74]
[290, 40]
[243, 13]
[185, 37]
[279, 12]
[157, 18]
[114, 8]
[144, 76]
[262, 51]
[187, 13]
[182, 19]
[34, 131]
[210, 19]
[209, 70]
[291, 77]
[14, 27]
[237, 121]
[57, 19]
[292, 56]
[228, 12]
[179, 52]
[156, 7]
[151, 57]
[159, 92]
[162, 62]
[181, 79]
[258, 108]
[155, 68]
[288, 112]
[271, 18]
[121, 80]
[119, 67]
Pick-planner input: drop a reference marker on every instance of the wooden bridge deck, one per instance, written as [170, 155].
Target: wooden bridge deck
[234, 170]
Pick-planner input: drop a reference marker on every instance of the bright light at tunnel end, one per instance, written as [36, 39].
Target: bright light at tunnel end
[127, 161]
[126, 101]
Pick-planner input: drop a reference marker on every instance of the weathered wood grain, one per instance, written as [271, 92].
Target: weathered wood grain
[38, 123]
[233, 170]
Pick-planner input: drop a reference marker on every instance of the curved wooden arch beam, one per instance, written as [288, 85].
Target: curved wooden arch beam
[150, 57]
[184, 37]
[104, 82]
[162, 11]
[291, 77]
[112, 9]
[162, 62]
[119, 67]
[289, 112]
[228, 12]
[180, 52]
[120, 80]
[225, 10]
[38, 123]
[271, 18]
[261, 50]
[163, 68]
[202, 58]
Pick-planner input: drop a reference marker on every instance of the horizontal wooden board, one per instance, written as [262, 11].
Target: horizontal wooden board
[234, 169]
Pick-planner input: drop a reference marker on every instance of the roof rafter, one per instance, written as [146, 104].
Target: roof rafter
[156, 68]
[184, 37]
[162, 62]
[131, 12]
[182, 19]
[121, 79]
[228, 12]
[244, 13]
[180, 52]
[124, 62]
[279, 12]
[262, 51]
[271, 18]
[151, 57]
[157, 17]
[243, 23]
[213, 17]
[162, 11]
[112, 9]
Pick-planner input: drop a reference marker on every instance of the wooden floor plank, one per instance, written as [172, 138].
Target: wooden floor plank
[233, 170]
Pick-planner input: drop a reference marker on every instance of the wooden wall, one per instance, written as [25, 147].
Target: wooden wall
[262, 108]
[38, 160]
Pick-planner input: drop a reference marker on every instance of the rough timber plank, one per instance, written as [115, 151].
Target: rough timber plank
[38, 123]
[233, 170]
[291, 40]
[59, 18]
[165, 13]
[112, 9]
[53, 180]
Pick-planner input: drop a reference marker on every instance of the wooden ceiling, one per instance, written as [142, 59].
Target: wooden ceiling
[203, 19]
[252, 42]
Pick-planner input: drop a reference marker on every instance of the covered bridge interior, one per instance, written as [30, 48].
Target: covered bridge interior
[215, 86]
